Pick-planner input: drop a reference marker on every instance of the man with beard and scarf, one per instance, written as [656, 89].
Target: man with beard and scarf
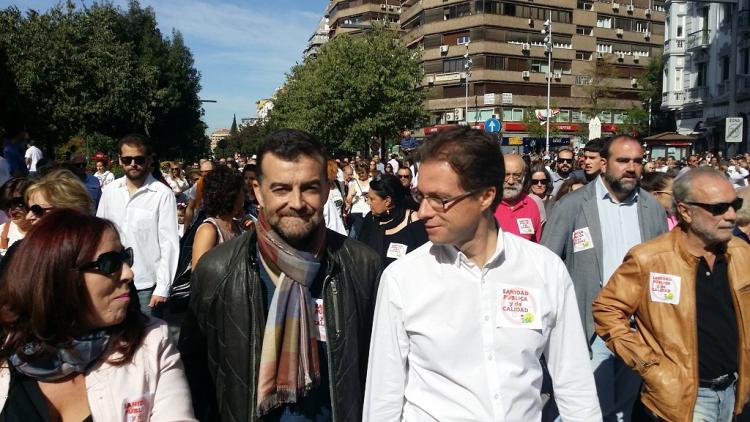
[518, 213]
[687, 291]
[592, 229]
[279, 322]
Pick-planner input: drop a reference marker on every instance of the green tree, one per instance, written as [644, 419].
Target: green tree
[538, 128]
[354, 89]
[245, 141]
[599, 88]
[651, 88]
[233, 130]
[635, 121]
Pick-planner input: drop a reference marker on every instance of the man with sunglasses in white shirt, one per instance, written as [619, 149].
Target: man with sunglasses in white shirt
[689, 294]
[145, 213]
[462, 322]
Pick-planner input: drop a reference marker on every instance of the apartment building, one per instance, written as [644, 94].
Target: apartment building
[355, 16]
[509, 69]
[707, 70]
[318, 38]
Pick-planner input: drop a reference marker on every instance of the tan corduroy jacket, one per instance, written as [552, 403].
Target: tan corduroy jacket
[656, 284]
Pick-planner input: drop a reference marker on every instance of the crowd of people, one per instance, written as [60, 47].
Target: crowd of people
[455, 283]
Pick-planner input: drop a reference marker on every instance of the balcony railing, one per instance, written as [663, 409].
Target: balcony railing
[743, 20]
[674, 46]
[697, 94]
[698, 39]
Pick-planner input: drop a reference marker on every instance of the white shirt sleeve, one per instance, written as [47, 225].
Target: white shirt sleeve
[332, 218]
[568, 358]
[169, 245]
[387, 367]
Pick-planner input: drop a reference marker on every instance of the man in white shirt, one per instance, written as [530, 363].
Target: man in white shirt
[145, 213]
[461, 322]
[32, 156]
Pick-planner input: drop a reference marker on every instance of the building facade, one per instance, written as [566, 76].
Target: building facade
[356, 16]
[217, 136]
[707, 70]
[509, 63]
[318, 38]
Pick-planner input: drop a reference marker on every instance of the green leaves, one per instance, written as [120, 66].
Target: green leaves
[98, 70]
[356, 88]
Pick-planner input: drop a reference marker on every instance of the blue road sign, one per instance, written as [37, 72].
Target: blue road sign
[492, 125]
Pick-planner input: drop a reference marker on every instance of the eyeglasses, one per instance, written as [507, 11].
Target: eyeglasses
[565, 160]
[110, 262]
[17, 203]
[442, 205]
[516, 176]
[720, 208]
[538, 181]
[138, 159]
[404, 176]
[39, 210]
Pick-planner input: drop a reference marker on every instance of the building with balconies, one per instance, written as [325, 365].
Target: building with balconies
[356, 16]
[707, 69]
[509, 65]
[318, 38]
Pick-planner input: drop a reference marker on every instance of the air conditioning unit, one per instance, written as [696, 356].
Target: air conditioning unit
[619, 32]
[450, 117]
[443, 49]
[630, 8]
[383, 6]
[391, 8]
[599, 55]
[636, 58]
[525, 46]
[615, 6]
[459, 113]
[621, 56]
[526, 74]
[647, 35]
[558, 75]
[634, 82]
[648, 12]
[398, 9]
[431, 79]
[531, 22]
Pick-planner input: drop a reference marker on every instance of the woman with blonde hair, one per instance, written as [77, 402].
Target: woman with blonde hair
[57, 189]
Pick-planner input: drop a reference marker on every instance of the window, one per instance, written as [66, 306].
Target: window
[512, 114]
[585, 5]
[583, 80]
[539, 66]
[681, 27]
[517, 64]
[457, 11]
[724, 67]
[453, 65]
[603, 21]
[678, 79]
[603, 48]
[743, 64]
[583, 55]
[561, 66]
[578, 117]
[463, 40]
[605, 117]
[495, 62]
[618, 117]
[584, 30]
[564, 116]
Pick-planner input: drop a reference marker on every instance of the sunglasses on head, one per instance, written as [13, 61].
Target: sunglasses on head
[110, 262]
[39, 210]
[720, 208]
[139, 160]
[564, 160]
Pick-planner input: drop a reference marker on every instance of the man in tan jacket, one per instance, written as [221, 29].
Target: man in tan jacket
[689, 291]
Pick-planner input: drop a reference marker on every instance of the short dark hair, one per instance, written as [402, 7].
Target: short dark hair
[594, 145]
[655, 181]
[248, 168]
[135, 140]
[389, 185]
[607, 145]
[43, 299]
[220, 189]
[472, 154]
[13, 188]
[289, 144]
[564, 149]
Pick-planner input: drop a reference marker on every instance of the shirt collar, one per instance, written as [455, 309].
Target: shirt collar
[519, 204]
[148, 184]
[457, 258]
[603, 194]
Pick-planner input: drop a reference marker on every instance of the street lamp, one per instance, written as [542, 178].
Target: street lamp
[467, 71]
[547, 31]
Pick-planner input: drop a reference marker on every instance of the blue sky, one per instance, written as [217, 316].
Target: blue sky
[243, 48]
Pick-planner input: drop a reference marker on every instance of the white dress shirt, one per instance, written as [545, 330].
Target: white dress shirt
[443, 348]
[147, 222]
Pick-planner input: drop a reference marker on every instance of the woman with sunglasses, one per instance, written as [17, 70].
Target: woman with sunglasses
[14, 204]
[57, 189]
[541, 187]
[391, 228]
[76, 346]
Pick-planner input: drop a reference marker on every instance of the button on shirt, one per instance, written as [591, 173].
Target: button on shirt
[147, 222]
[442, 351]
[620, 227]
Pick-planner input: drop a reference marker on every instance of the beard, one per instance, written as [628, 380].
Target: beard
[620, 186]
[136, 174]
[511, 192]
[295, 228]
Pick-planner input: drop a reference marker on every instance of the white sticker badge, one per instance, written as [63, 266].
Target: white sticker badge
[582, 240]
[518, 307]
[319, 319]
[396, 250]
[137, 409]
[664, 288]
[525, 226]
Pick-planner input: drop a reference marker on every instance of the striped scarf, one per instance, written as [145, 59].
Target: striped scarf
[289, 361]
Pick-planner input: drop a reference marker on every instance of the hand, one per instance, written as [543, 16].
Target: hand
[155, 300]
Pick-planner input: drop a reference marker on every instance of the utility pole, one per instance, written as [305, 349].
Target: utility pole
[547, 31]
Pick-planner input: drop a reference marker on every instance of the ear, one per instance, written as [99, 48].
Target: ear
[257, 192]
[684, 212]
[487, 197]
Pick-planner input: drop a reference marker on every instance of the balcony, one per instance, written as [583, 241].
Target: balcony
[697, 95]
[698, 39]
[743, 21]
[743, 84]
[674, 46]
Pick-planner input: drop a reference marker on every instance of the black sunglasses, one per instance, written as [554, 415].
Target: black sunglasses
[139, 160]
[720, 208]
[39, 210]
[17, 203]
[404, 176]
[564, 160]
[538, 181]
[110, 262]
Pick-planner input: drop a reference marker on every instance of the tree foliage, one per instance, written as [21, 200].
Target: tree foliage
[101, 69]
[651, 89]
[599, 89]
[245, 141]
[538, 128]
[356, 88]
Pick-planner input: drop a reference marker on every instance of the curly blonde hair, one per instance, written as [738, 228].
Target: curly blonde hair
[63, 189]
